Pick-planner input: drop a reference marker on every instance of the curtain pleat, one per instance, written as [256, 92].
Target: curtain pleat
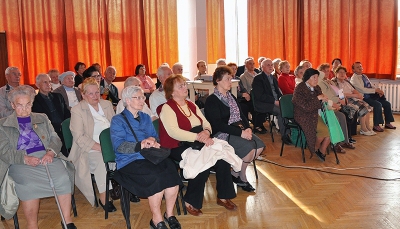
[45, 34]
[321, 30]
[215, 30]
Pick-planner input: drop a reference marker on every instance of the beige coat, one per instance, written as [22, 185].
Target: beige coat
[9, 135]
[82, 127]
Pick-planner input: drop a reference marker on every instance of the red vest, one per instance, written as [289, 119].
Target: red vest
[183, 123]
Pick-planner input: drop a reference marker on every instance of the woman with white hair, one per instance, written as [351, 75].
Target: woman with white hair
[133, 81]
[29, 143]
[136, 173]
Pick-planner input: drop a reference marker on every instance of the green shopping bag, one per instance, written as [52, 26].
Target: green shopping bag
[329, 117]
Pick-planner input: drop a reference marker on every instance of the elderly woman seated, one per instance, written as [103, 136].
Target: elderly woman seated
[134, 172]
[177, 118]
[29, 142]
[133, 81]
[230, 124]
[88, 118]
[286, 81]
[307, 99]
[355, 101]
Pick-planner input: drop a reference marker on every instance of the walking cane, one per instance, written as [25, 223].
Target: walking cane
[55, 195]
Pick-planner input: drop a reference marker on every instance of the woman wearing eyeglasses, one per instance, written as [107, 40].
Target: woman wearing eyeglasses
[91, 116]
[136, 173]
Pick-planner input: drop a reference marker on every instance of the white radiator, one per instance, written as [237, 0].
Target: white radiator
[392, 91]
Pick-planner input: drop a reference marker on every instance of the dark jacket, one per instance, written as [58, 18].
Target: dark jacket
[218, 114]
[40, 106]
[264, 100]
[113, 93]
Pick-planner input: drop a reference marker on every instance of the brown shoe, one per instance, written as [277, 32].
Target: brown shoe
[339, 149]
[228, 204]
[347, 145]
[390, 126]
[193, 211]
[377, 129]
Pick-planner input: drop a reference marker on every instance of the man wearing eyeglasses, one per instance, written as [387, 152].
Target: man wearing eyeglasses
[158, 96]
[13, 76]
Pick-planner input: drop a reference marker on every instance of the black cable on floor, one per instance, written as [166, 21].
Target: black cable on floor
[336, 173]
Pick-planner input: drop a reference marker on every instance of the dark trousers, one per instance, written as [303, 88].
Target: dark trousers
[275, 111]
[195, 189]
[378, 104]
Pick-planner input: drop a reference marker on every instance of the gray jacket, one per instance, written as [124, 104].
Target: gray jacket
[5, 105]
[9, 134]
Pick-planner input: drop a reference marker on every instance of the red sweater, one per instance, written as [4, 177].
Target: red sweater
[286, 83]
[183, 123]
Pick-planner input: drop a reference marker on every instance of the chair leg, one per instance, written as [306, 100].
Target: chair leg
[125, 206]
[334, 151]
[74, 205]
[282, 148]
[94, 191]
[178, 208]
[16, 223]
[107, 196]
[182, 200]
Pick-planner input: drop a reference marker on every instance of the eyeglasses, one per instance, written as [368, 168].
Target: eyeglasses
[139, 97]
[184, 85]
[97, 76]
[21, 106]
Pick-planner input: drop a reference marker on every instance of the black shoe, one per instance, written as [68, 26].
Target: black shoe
[248, 187]
[160, 225]
[172, 222]
[351, 140]
[69, 226]
[134, 198]
[111, 207]
[286, 140]
[238, 181]
[320, 155]
[259, 130]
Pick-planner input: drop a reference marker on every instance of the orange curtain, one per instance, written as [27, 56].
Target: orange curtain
[273, 30]
[34, 35]
[161, 33]
[321, 30]
[44, 34]
[326, 31]
[373, 36]
[215, 30]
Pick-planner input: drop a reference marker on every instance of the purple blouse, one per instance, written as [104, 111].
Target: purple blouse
[28, 139]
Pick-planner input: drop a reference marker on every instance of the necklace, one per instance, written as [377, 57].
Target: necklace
[180, 108]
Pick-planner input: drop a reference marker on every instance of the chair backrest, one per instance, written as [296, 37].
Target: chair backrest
[67, 133]
[106, 146]
[286, 105]
[156, 126]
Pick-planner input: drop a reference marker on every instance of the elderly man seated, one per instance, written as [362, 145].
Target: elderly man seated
[375, 97]
[51, 104]
[266, 98]
[71, 94]
[13, 76]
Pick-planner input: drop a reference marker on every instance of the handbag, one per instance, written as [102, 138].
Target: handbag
[152, 154]
[115, 192]
[196, 145]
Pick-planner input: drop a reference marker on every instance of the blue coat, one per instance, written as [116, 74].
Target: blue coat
[123, 140]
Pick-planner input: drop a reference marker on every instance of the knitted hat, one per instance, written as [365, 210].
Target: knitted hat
[308, 73]
[64, 74]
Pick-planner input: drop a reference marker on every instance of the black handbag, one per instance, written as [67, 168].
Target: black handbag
[152, 154]
[196, 145]
[115, 192]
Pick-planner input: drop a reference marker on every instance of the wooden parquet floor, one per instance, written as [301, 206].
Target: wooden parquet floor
[285, 197]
